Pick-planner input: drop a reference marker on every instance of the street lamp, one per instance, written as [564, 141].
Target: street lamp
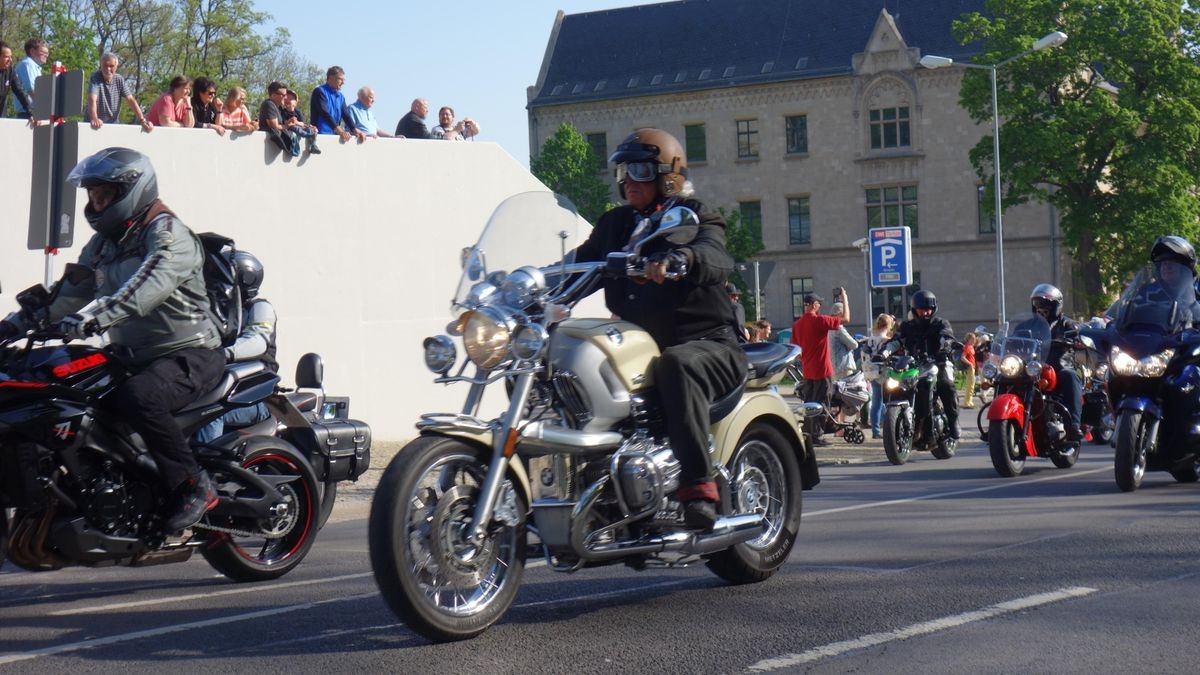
[861, 244]
[930, 61]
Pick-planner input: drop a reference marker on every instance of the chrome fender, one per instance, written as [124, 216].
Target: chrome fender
[755, 405]
[483, 439]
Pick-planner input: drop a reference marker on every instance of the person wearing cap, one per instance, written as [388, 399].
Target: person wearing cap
[687, 313]
[739, 312]
[811, 333]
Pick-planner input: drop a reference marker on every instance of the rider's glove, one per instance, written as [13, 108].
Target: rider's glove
[78, 326]
[675, 260]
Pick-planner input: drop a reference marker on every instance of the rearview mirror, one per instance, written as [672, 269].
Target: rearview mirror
[678, 225]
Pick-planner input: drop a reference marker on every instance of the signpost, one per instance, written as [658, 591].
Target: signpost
[891, 256]
[55, 147]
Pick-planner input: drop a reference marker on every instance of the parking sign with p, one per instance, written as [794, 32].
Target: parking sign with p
[891, 256]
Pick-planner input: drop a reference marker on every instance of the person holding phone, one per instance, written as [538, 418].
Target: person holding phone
[811, 333]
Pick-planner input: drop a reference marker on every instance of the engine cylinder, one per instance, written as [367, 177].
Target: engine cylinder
[647, 477]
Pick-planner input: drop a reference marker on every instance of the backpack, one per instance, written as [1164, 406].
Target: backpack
[221, 286]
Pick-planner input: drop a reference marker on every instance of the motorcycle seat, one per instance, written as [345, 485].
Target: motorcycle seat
[305, 401]
[767, 357]
[234, 372]
[725, 405]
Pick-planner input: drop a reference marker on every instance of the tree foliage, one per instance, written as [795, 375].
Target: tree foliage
[1106, 127]
[568, 166]
[159, 39]
[743, 243]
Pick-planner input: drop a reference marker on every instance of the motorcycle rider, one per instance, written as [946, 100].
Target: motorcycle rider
[255, 342]
[140, 278]
[926, 333]
[689, 317]
[1047, 302]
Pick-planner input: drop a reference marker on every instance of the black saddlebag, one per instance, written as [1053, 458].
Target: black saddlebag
[339, 449]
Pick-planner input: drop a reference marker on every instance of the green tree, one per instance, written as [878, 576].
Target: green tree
[743, 243]
[1106, 128]
[567, 166]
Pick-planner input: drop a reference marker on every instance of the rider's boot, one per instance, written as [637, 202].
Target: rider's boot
[952, 425]
[1074, 433]
[699, 504]
[196, 496]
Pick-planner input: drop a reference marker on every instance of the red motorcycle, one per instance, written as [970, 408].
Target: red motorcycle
[1024, 419]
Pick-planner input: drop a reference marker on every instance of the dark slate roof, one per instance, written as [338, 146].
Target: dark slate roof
[707, 44]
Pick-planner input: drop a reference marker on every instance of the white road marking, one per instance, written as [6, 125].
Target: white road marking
[915, 630]
[939, 495]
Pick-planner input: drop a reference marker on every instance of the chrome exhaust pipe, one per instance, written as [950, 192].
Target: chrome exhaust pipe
[727, 531]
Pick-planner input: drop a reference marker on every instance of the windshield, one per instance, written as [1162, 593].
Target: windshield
[1160, 297]
[1026, 336]
[529, 228]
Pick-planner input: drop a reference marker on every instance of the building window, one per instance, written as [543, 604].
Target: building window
[751, 214]
[747, 138]
[599, 146]
[696, 141]
[889, 128]
[800, 286]
[799, 221]
[795, 129]
[892, 207]
[987, 220]
[894, 300]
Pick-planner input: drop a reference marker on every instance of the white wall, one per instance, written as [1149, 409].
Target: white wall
[361, 243]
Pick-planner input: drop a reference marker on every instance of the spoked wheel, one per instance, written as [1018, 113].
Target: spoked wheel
[252, 549]
[1133, 442]
[766, 480]
[1007, 457]
[897, 434]
[854, 435]
[429, 571]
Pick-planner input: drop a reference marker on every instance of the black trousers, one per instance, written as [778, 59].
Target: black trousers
[689, 377]
[148, 399]
[816, 390]
[948, 394]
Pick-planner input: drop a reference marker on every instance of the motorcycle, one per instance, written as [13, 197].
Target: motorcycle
[1025, 420]
[1153, 379]
[847, 397]
[450, 518]
[914, 419]
[78, 486]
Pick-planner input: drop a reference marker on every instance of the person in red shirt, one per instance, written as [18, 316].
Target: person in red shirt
[968, 363]
[811, 333]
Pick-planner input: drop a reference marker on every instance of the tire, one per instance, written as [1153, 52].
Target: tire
[980, 418]
[897, 435]
[1007, 458]
[1066, 460]
[260, 558]
[1102, 436]
[424, 568]
[3, 535]
[1187, 474]
[1129, 464]
[766, 479]
[328, 498]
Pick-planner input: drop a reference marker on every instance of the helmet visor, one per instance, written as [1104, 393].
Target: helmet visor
[103, 168]
[640, 172]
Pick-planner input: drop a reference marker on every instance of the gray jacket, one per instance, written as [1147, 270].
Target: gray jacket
[148, 288]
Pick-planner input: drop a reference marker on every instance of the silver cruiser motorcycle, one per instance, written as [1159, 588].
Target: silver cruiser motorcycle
[579, 457]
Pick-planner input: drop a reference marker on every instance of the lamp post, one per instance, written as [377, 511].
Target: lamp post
[930, 61]
[861, 244]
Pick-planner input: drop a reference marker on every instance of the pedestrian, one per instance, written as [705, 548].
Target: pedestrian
[968, 364]
[811, 333]
[106, 90]
[875, 372]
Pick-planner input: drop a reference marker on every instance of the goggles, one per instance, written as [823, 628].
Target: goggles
[640, 172]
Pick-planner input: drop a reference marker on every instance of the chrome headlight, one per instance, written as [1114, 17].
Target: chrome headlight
[480, 294]
[440, 353]
[1011, 366]
[529, 341]
[990, 370]
[521, 288]
[1153, 365]
[1033, 369]
[486, 336]
[891, 384]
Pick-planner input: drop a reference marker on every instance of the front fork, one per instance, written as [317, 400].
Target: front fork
[504, 442]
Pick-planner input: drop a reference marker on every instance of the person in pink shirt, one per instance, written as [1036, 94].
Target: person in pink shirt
[235, 116]
[811, 333]
[174, 109]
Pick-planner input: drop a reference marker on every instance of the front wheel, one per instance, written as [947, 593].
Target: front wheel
[1065, 458]
[249, 549]
[897, 435]
[766, 480]
[1129, 464]
[432, 575]
[1007, 457]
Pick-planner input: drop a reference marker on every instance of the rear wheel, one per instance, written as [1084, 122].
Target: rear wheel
[766, 480]
[1065, 458]
[267, 548]
[897, 434]
[1187, 474]
[1007, 457]
[328, 497]
[1129, 463]
[981, 421]
[3, 535]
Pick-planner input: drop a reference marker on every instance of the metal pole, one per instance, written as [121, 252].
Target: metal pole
[999, 208]
[866, 310]
[757, 295]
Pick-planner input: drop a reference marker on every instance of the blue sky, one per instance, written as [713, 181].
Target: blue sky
[476, 56]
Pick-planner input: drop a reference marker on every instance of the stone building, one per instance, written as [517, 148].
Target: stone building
[816, 121]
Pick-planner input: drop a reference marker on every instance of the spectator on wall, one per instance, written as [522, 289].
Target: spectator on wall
[235, 116]
[174, 108]
[270, 120]
[294, 120]
[205, 106]
[448, 130]
[412, 125]
[37, 52]
[327, 107]
[362, 117]
[9, 80]
[106, 90]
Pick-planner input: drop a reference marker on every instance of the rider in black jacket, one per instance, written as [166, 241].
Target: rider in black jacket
[690, 318]
[928, 334]
[1047, 301]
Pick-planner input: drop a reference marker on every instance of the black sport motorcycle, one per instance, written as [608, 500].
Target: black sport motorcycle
[78, 486]
[914, 419]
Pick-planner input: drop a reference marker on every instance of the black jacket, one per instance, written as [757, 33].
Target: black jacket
[695, 307]
[412, 125]
[1063, 334]
[919, 336]
[10, 82]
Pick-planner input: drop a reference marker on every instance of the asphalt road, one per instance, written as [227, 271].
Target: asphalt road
[934, 566]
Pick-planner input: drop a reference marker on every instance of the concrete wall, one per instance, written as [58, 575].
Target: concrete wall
[361, 244]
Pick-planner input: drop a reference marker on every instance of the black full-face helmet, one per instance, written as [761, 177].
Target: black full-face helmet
[1047, 301]
[131, 173]
[924, 300]
[1174, 248]
[651, 154]
[249, 273]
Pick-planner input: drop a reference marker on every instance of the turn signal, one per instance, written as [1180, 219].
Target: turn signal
[1047, 379]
